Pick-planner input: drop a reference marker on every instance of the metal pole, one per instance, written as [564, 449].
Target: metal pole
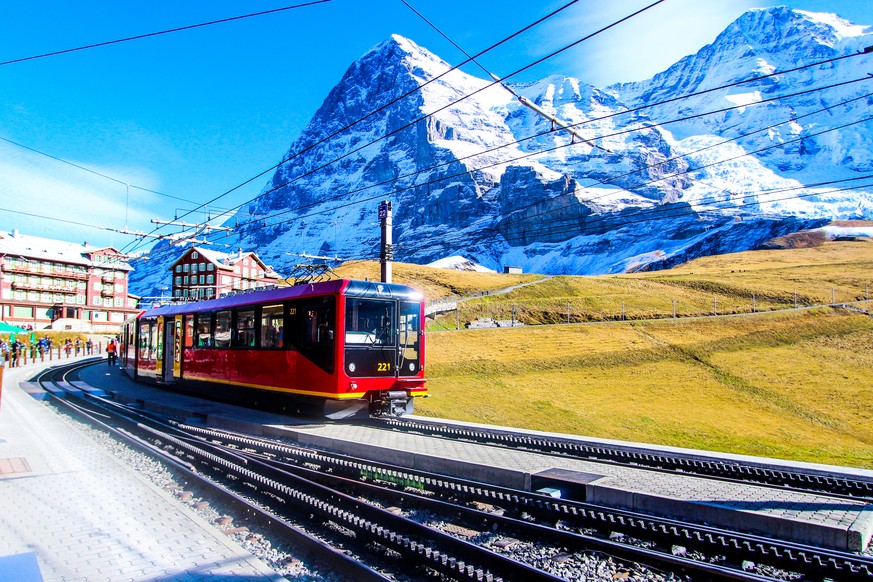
[387, 254]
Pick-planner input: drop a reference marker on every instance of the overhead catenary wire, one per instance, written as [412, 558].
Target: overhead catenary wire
[508, 161]
[92, 171]
[634, 110]
[502, 162]
[442, 235]
[159, 33]
[462, 98]
[587, 121]
[375, 111]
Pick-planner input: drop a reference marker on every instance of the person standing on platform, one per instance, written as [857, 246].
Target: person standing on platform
[111, 352]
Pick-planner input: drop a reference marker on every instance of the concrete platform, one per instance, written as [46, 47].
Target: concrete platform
[800, 517]
[71, 511]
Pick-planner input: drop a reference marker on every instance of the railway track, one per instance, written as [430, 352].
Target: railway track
[782, 478]
[390, 516]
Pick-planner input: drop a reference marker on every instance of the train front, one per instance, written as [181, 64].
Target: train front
[383, 347]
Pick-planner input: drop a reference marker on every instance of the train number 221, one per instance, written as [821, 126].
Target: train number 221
[383, 367]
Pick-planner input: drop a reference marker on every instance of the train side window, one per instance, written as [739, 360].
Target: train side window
[204, 330]
[189, 331]
[222, 329]
[144, 333]
[272, 326]
[244, 336]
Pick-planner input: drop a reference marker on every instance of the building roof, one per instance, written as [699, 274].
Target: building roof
[226, 260]
[46, 249]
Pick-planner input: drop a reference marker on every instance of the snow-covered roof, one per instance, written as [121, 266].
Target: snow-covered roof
[48, 249]
[223, 260]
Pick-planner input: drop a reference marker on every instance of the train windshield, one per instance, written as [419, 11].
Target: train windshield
[369, 322]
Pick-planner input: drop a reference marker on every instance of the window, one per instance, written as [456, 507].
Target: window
[97, 286]
[145, 331]
[222, 329]
[185, 280]
[202, 267]
[369, 322]
[194, 255]
[210, 279]
[409, 338]
[186, 267]
[189, 331]
[272, 326]
[318, 325]
[204, 330]
[119, 287]
[245, 329]
[210, 267]
[202, 278]
[194, 268]
[178, 280]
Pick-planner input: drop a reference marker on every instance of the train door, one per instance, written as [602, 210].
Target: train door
[171, 364]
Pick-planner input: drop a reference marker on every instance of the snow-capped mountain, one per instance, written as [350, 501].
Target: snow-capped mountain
[650, 180]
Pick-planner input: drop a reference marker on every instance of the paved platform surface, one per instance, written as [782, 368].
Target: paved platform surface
[77, 513]
[801, 517]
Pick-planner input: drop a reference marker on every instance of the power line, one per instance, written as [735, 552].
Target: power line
[467, 96]
[377, 110]
[95, 172]
[587, 121]
[151, 34]
[508, 161]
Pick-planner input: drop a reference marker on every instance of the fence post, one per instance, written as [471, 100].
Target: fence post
[715, 305]
[458, 317]
[568, 313]
[795, 299]
[622, 310]
[754, 304]
[673, 301]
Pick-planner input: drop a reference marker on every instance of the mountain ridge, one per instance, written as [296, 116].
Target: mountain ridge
[485, 177]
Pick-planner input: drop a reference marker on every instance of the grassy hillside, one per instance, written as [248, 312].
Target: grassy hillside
[435, 283]
[794, 384]
[736, 283]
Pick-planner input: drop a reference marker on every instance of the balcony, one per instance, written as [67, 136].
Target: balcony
[108, 291]
[37, 269]
[40, 287]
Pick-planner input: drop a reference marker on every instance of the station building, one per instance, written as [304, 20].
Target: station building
[53, 284]
[205, 274]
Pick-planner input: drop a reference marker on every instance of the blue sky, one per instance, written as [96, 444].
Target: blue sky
[193, 114]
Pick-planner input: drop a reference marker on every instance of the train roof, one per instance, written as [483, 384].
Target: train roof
[349, 287]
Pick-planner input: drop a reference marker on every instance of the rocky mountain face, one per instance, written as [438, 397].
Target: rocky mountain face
[654, 179]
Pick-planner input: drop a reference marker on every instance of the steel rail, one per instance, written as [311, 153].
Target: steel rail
[812, 561]
[736, 471]
[308, 545]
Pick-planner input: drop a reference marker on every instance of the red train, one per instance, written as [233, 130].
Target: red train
[335, 348]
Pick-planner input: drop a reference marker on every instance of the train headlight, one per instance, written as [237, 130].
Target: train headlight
[412, 366]
[352, 367]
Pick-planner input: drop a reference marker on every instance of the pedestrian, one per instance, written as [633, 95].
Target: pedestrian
[111, 352]
[89, 346]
